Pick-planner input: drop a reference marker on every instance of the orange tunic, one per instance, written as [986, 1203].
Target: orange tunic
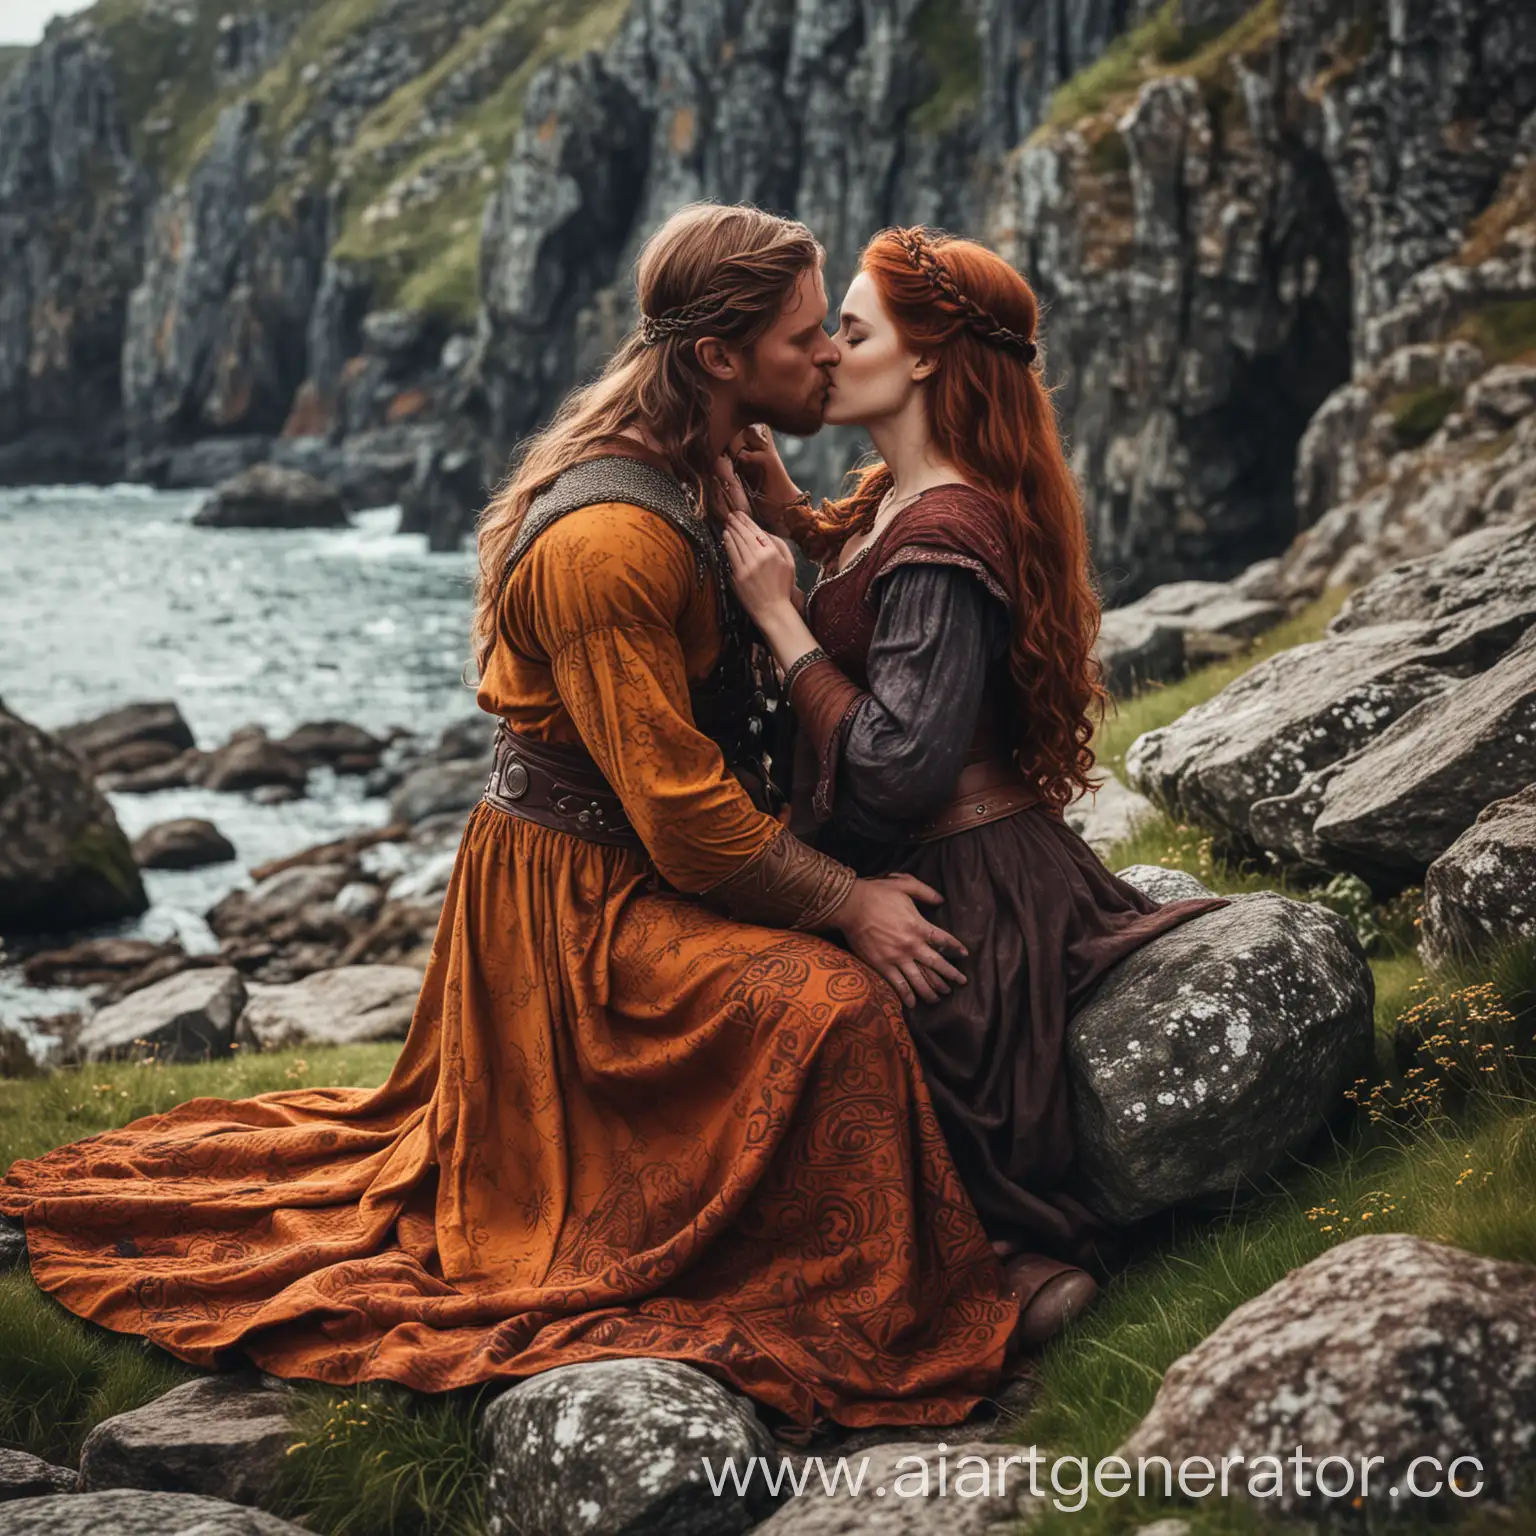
[621, 1124]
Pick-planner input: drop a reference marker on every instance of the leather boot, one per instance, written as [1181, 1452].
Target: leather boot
[1057, 1293]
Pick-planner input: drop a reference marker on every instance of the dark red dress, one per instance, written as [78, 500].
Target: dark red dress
[917, 630]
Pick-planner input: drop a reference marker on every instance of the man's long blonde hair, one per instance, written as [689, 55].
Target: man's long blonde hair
[709, 270]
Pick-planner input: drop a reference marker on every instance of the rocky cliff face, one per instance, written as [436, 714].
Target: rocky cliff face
[378, 238]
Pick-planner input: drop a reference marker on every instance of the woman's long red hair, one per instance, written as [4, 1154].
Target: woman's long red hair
[991, 416]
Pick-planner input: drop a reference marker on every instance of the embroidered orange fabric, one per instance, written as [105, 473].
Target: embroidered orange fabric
[621, 1125]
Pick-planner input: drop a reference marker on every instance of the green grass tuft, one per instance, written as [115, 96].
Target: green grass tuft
[1504, 331]
[1417, 413]
[377, 1458]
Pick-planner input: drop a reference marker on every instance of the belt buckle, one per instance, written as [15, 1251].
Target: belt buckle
[515, 780]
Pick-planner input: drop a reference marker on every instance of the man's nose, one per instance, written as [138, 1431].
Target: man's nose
[828, 355]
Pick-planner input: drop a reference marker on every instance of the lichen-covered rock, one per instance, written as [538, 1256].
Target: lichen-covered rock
[187, 1017]
[134, 1512]
[1206, 1057]
[1163, 884]
[1389, 1347]
[1301, 710]
[222, 1436]
[189, 842]
[28, 1477]
[1401, 800]
[335, 1007]
[64, 861]
[1480, 894]
[619, 1445]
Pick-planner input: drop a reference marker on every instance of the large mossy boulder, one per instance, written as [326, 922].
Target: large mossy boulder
[64, 861]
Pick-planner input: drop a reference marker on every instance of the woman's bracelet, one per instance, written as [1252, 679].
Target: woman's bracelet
[798, 666]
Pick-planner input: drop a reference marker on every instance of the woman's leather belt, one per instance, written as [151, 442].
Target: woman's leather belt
[557, 786]
[985, 791]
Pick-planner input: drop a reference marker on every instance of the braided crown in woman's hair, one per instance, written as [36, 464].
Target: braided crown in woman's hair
[982, 322]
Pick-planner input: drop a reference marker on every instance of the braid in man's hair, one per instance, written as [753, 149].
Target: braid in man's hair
[982, 322]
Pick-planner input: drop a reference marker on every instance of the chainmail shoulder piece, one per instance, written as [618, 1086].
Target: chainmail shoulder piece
[617, 478]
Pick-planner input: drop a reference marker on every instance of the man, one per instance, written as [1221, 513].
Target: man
[642, 1109]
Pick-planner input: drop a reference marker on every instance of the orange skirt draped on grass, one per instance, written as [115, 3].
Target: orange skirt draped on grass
[753, 1182]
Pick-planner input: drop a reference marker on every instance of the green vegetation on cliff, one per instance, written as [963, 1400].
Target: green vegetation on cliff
[415, 198]
[945, 33]
[1161, 45]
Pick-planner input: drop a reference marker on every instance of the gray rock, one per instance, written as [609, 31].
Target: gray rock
[1163, 884]
[251, 761]
[132, 1512]
[187, 1017]
[27, 1477]
[1386, 1346]
[221, 1436]
[13, 1245]
[1135, 649]
[971, 1488]
[438, 787]
[64, 862]
[1109, 816]
[1206, 1057]
[268, 496]
[360, 899]
[187, 843]
[619, 1445]
[1480, 894]
[1399, 802]
[336, 743]
[279, 897]
[1299, 711]
[107, 742]
[171, 773]
[471, 737]
[1491, 571]
[335, 1007]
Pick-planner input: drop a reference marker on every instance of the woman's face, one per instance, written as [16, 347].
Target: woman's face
[876, 376]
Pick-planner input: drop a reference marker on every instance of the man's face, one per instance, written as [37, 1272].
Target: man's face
[787, 374]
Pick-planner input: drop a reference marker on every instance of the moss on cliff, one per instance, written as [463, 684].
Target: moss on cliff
[1505, 330]
[415, 198]
[945, 34]
[165, 63]
[1161, 45]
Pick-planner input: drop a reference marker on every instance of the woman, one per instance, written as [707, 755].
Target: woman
[942, 675]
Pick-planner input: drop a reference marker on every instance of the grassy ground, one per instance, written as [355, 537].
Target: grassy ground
[1437, 1145]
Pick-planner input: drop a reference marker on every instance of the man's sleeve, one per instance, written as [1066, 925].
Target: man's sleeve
[609, 585]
